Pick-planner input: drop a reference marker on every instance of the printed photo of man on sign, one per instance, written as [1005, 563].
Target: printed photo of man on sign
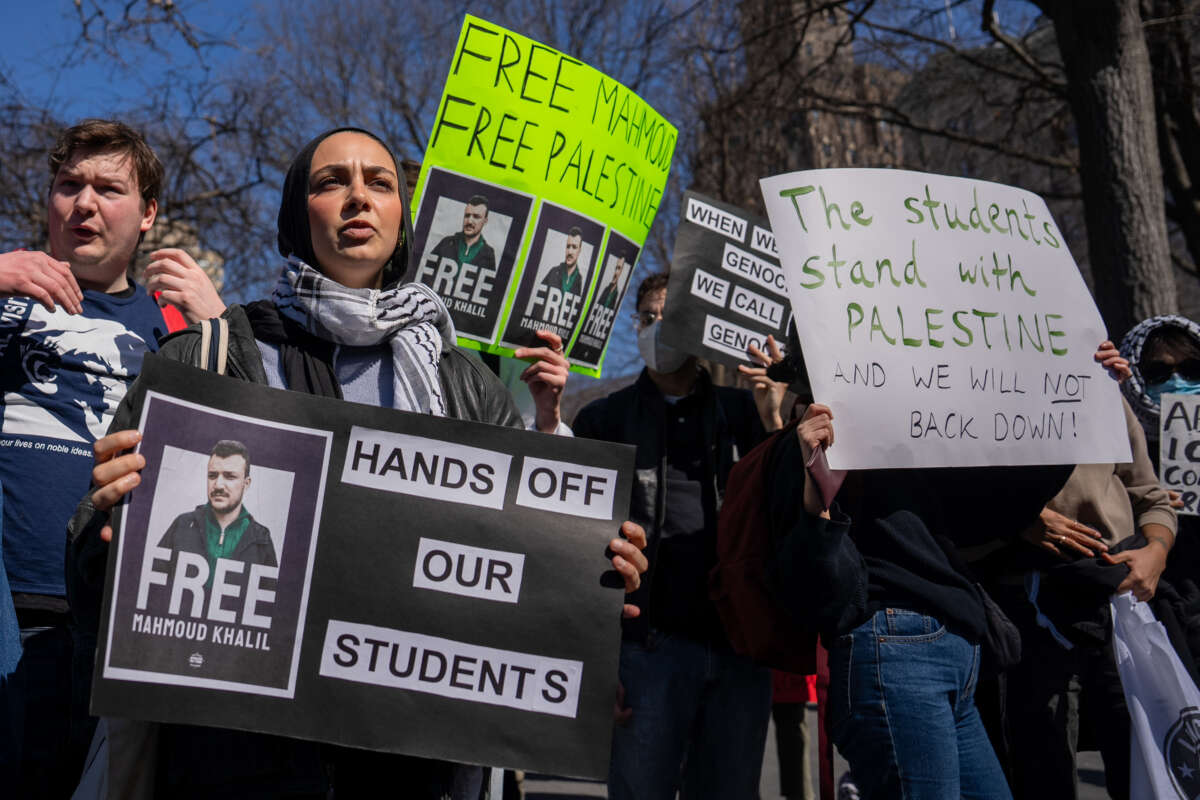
[552, 296]
[217, 546]
[469, 233]
[620, 257]
[222, 527]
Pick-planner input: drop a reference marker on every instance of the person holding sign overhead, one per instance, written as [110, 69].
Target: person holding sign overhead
[880, 572]
[338, 324]
[690, 701]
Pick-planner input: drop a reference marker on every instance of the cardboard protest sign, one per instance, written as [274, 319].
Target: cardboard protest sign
[943, 320]
[541, 175]
[1179, 448]
[324, 570]
[727, 289]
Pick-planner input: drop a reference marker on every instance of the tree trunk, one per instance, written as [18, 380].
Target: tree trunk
[1170, 42]
[1108, 70]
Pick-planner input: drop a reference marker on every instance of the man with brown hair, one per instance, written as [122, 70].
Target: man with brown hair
[73, 330]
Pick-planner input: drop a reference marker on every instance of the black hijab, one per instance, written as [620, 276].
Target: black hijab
[295, 237]
[308, 360]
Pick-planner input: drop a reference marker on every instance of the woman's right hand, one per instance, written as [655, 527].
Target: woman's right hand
[116, 471]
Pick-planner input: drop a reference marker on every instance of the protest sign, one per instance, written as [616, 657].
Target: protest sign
[726, 289]
[1179, 448]
[944, 321]
[389, 581]
[541, 175]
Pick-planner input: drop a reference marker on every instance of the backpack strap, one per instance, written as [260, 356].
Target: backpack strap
[214, 345]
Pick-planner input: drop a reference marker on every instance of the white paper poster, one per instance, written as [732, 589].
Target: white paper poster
[1179, 448]
[944, 321]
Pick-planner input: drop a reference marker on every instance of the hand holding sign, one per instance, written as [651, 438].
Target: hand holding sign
[768, 394]
[629, 560]
[117, 471]
[537, 190]
[727, 291]
[546, 377]
[1109, 357]
[815, 432]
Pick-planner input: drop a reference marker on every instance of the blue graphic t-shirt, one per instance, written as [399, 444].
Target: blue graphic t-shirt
[63, 376]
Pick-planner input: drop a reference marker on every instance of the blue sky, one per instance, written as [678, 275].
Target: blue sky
[38, 54]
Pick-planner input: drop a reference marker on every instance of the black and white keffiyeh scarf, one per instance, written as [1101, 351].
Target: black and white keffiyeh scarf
[410, 318]
[1134, 387]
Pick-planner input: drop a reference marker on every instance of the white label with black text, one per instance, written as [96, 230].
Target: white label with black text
[395, 462]
[754, 269]
[715, 219]
[567, 488]
[753, 305]
[709, 287]
[468, 571]
[723, 335]
[420, 663]
[763, 241]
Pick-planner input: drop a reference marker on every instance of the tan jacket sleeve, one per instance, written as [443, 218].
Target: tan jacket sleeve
[1149, 500]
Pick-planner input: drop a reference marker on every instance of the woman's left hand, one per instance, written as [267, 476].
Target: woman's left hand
[1111, 359]
[629, 561]
[546, 377]
[183, 284]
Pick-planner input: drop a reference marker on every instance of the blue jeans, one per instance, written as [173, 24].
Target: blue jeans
[699, 713]
[902, 711]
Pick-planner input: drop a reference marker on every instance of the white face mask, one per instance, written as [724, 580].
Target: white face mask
[660, 357]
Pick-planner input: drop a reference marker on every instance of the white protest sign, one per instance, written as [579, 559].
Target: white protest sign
[944, 321]
[1179, 448]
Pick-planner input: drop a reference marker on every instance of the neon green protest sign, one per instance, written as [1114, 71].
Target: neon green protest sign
[538, 189]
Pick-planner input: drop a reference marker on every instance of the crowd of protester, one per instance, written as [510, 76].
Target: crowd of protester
[959, 612]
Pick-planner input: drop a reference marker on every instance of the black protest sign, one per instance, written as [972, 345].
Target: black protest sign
[1179, 449]
[619, 259]
[329, 571]
[468, 235]
[726, 289]
[557, 275]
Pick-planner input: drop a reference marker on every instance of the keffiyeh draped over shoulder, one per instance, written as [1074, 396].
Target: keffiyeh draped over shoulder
[1134, 388]
[410, 318]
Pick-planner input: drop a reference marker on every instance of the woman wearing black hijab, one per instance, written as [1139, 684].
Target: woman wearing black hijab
[338, 324]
